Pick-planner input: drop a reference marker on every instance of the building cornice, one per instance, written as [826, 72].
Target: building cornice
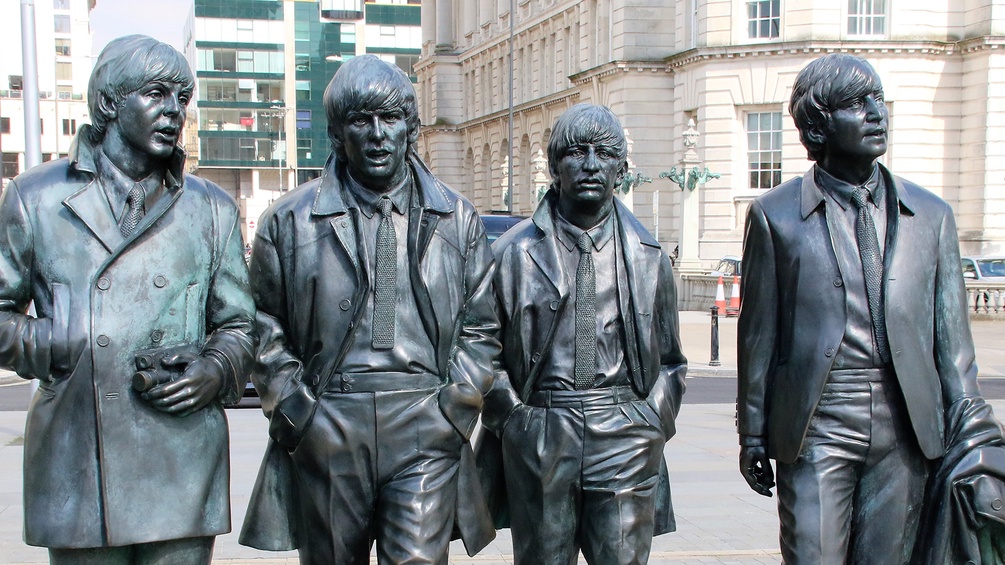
[567, 97]
[879, 47]
[616, 67]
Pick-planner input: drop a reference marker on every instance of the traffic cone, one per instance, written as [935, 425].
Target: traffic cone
[734, 299]
[720, 297]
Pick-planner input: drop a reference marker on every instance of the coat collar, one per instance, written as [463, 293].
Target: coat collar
[811, 196]
[90, 203]
[329, 201]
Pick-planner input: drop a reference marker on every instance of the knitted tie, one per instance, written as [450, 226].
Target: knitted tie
[872, 269]
[386, 283]
[586, 317]
[134, 201]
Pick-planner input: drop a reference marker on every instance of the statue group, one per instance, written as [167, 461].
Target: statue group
[380, 328]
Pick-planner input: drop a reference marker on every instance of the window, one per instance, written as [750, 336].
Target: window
[764, 149]
[60, 4]
[304, 147]
[303, 89]
[763, 19]
[4, 125]
[303, 119]
[302, 31]
[10, 168]
[866, 17]
[61, 24]
[64, 71]
[69, 127]
[63, 47]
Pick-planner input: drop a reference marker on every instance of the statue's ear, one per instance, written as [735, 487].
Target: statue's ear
[622, 172]
[413, 135]
[107, 106]
[816, 136]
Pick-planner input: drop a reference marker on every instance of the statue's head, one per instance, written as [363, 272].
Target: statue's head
[126, 65]
[373, 119]
[587, 155]
[838, 83]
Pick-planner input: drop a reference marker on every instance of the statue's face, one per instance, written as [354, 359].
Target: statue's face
[150, 120]
[375, 144]
[858, 128]
[587, 174]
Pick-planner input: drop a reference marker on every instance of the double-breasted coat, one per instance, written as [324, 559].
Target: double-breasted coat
[311, 289]
[532, 289]
[794, 316]
[103, 467]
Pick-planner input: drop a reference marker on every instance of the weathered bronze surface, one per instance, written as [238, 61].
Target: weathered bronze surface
[569, 468]
[850, 398]
[370, 444]
[106, 466]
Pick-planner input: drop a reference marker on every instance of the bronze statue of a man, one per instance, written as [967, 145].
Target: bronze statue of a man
[592, 373]
[129, 262]
[373, 286]
[854, 342]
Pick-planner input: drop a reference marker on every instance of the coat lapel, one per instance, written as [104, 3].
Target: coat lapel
[91, 206]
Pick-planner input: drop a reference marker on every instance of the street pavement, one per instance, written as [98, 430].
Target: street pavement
[719, 519]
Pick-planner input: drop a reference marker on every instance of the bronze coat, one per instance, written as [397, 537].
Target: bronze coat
[793, 315]
[310, 290]
[532, 290]
[97, 456]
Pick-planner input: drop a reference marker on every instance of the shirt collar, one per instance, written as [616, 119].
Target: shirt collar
[367, 199]
[569, 234]
[841, 191]
[117, 184]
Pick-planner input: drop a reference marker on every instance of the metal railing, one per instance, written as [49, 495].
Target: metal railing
[697, 292]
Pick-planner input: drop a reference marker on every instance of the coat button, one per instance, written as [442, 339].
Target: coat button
[104, 283]
[156, 336]
[160, 281]
[996, 504]
[344, 304]
[553, 305]
[838, 283]
[829, 352]
[103, 340]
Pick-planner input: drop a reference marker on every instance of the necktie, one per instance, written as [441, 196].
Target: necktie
[586, 317]
[134, 203]
[872, 269]
[386, 281]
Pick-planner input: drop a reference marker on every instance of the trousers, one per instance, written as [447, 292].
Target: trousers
[185, 551]
[854, 494]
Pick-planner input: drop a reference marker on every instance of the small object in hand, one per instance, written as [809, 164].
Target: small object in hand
[161, 365]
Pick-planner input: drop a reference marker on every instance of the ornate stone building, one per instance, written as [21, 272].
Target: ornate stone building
[729, 65]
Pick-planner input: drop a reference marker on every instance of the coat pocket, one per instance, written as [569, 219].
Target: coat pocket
[60, 341]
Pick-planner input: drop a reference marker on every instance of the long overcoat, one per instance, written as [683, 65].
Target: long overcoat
[532, 289]
[794, 315]
[102, 467]
[311, 289]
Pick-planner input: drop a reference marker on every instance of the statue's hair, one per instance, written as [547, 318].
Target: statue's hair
[821, 87]
[367, 83]
[124, 66]
[585, 123]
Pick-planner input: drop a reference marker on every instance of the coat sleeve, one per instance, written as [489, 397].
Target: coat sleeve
[230, 311]
[288, 402]
[25, 342]
[954, 345]
[757, 327]
[668, 390]
[477, 344]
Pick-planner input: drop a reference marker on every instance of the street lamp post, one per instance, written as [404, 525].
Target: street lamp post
[280, 112]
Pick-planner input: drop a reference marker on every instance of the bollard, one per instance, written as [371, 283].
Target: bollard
[714, 362]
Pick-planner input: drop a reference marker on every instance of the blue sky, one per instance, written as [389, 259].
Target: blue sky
[160, 19]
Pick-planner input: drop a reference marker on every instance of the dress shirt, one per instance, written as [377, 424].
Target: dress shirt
[116, 185]
[858, 347]
[612, 370]
[413, 351]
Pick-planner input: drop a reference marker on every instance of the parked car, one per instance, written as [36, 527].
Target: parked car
[729, 266]
[498, 224]
[984, 269]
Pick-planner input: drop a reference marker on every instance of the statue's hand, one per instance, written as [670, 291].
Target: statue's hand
[199, 385]
[756, 469]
